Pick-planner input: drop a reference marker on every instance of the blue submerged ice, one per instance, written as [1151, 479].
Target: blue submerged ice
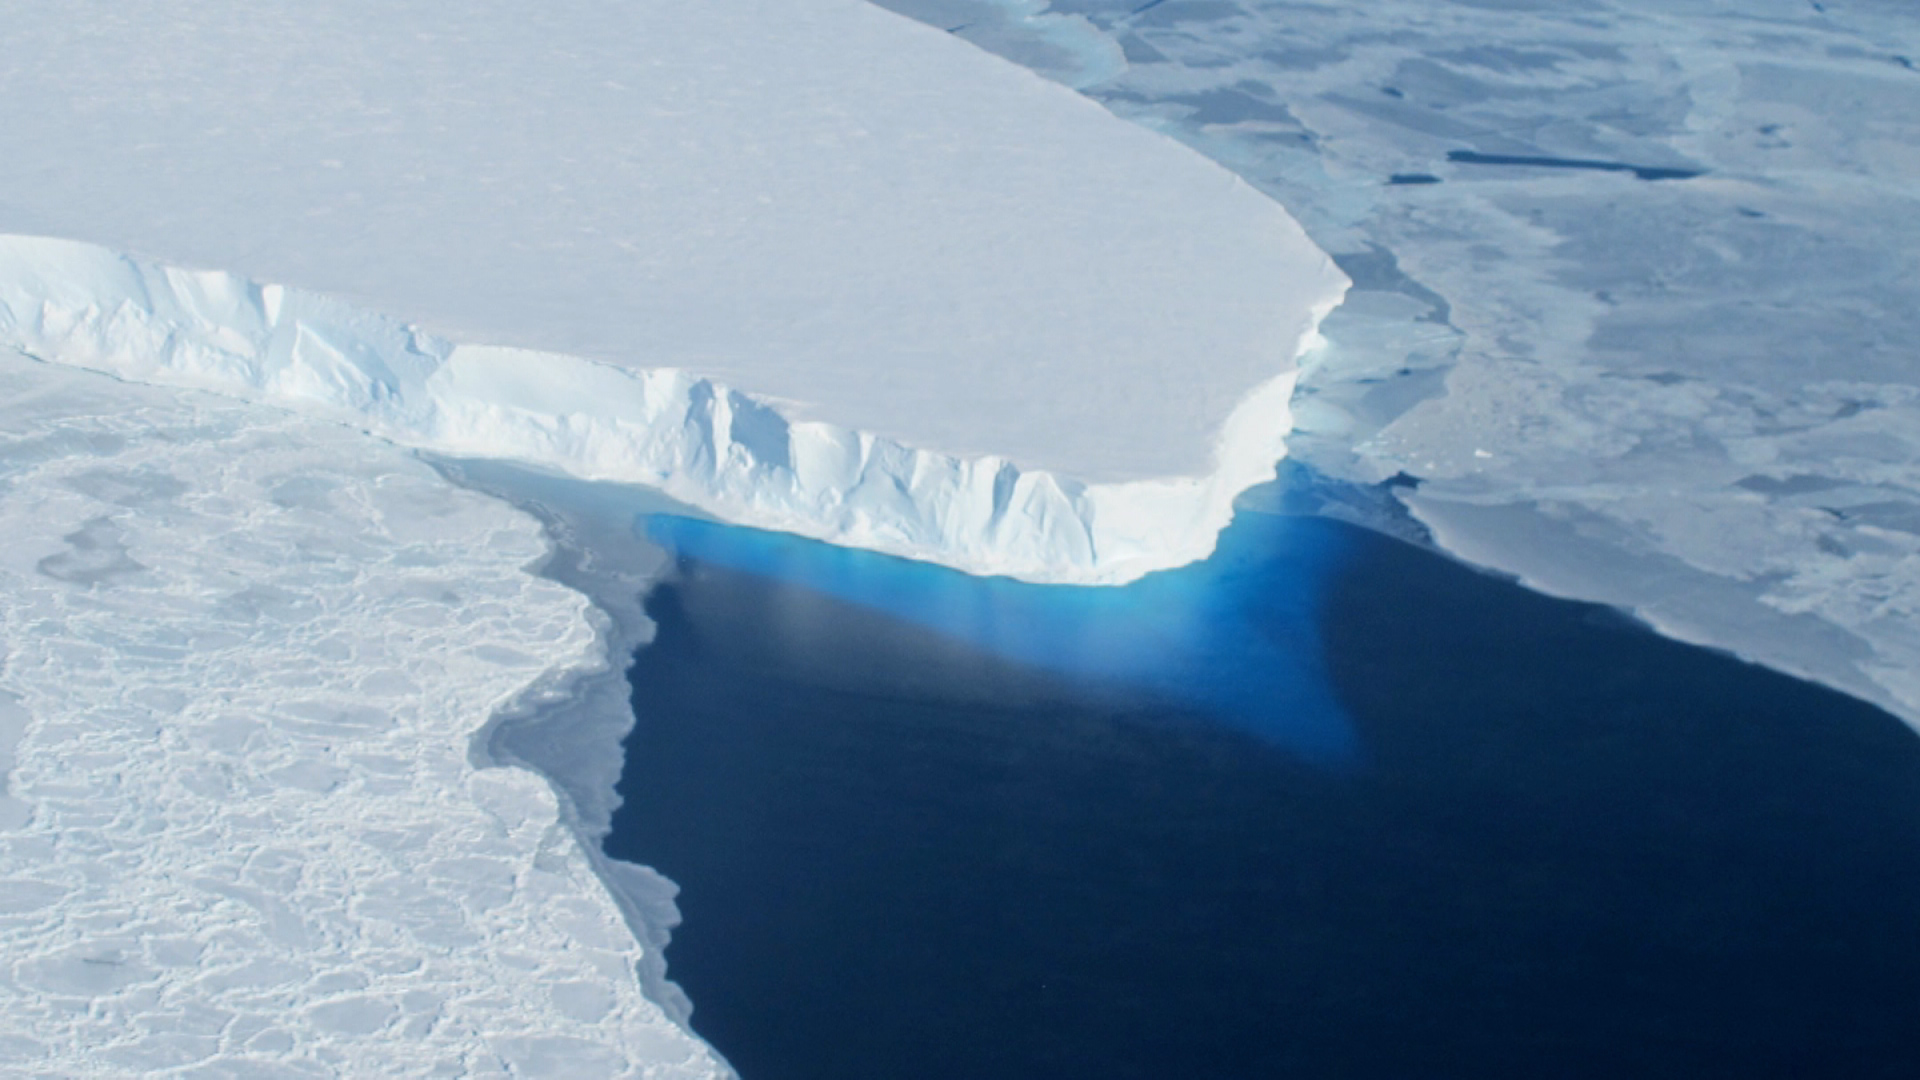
[1231, 639]
[1634, 281]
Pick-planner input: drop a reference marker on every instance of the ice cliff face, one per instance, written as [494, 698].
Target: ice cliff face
[742, 458]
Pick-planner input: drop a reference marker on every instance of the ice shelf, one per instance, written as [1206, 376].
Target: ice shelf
[920, 299]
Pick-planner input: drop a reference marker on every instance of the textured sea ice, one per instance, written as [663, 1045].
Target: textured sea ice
[13, 724]
[243, 834]
[1690, 395]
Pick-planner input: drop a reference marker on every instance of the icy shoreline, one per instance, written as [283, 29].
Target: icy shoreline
[570, 727]
[742, 458]
[244, 829]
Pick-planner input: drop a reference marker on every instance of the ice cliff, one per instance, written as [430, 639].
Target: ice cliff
[741, 457]
[806, 263]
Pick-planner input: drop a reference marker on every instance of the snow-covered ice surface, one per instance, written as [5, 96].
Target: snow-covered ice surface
[243, 830]
[971, 315]
[1698, 398]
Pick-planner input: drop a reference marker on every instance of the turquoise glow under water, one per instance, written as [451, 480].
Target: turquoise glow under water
[1558, 845]
[1232, 638]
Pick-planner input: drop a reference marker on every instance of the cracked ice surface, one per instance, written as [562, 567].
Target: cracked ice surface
[241, 834]
[1697, 398]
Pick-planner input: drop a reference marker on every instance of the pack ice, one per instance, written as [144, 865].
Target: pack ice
[241, 830]
[807, 265]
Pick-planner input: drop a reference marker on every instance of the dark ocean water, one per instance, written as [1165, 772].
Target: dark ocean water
[1324, 806]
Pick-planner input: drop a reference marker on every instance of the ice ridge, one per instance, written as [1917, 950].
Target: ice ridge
[740, 457]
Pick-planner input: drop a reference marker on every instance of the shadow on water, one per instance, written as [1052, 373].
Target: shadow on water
[920, 836]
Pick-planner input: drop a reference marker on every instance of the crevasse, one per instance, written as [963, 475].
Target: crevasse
[741, 458]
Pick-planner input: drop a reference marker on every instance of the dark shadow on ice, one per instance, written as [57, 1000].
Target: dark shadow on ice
[1644, 172]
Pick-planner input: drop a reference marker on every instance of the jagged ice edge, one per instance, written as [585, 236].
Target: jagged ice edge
[722, 451]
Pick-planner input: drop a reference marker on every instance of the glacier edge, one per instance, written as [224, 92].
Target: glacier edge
[721, 450]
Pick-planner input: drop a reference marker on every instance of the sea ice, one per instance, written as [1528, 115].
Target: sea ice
[1693, 397]
[242, 833]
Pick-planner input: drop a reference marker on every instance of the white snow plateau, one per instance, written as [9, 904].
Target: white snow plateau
[808, 265]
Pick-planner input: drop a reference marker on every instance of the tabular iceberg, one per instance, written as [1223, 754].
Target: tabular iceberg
[741, 457]
[926, 301]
